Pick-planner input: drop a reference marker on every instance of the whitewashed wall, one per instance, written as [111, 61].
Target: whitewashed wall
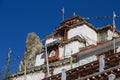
[80, 63]
[69, 49]
[52, 39]
[31, 76]
[110, 35]
[118, 49]
[88, 60]
[40, 75]
[89, 34]
[39, 60]
[59, 69]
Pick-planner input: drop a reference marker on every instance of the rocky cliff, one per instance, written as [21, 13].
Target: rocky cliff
[33, 47]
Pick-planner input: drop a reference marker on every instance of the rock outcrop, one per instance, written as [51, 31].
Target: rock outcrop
[33, 47]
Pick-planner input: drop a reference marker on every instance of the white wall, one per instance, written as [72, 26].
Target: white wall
[89, 34]
[80, 63]
[52, 39]
[59, 69]
[40, 75]
[110, 35]
[88, 60]
[118, 49]
[31, 76]
[39, 60]
[69, 49]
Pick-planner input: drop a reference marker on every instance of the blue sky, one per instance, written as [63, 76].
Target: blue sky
[19, 17]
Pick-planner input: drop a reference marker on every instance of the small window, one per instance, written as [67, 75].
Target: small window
[52, 53]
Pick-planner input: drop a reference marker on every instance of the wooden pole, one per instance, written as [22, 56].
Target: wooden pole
[48, 71]
[114, 27]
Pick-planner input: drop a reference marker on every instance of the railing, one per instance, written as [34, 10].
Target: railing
[103, 75]
[74, 73]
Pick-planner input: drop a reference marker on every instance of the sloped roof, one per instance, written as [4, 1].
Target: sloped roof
[106, 27]
[70, 25]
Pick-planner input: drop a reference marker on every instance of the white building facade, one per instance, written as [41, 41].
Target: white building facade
[71, 37]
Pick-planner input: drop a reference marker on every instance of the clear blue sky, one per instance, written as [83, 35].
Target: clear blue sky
[19, 17]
